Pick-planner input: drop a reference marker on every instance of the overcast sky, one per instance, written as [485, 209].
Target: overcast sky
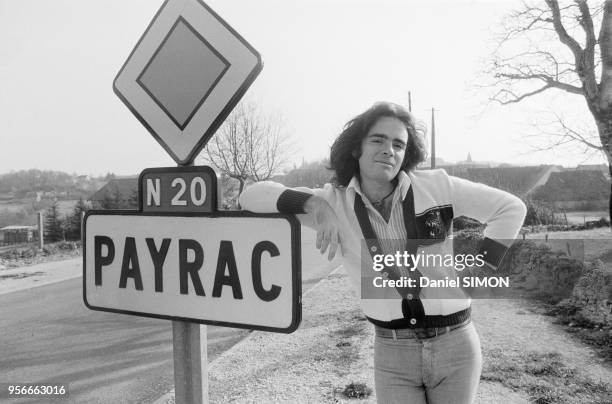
[324, 62]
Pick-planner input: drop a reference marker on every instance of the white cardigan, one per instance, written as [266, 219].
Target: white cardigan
[433, 191]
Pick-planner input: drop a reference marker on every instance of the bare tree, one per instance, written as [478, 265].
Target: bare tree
[547, 46]
[250, 145]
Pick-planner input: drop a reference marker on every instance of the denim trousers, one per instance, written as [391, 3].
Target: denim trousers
[444, 369]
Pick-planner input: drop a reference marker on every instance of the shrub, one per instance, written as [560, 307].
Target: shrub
[50, 249]
[462, 223]
[29, 252]
[66, 245]
[357, 390]
[539, 213]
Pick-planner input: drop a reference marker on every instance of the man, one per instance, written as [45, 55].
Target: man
[426, 348]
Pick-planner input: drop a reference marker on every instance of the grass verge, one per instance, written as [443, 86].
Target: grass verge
[544, 376]
[596, 335]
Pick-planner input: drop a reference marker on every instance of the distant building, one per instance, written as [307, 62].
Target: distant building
[469, 162]
[520, 181]
[18, 234]
[121, 189]
[595, 167]
[575, 190]
[585, 187]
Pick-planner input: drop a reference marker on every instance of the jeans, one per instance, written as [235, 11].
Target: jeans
[444, 369]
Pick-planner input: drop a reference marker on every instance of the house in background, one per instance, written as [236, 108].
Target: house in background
[121, 191]
[575, 190]
[18, 234]
[596, 167]
[585, 187]
[520, 181]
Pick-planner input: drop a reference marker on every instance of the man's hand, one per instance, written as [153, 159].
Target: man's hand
[326, 225]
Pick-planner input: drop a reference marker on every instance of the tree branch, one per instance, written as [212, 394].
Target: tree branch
[586, 67]
[247, 146]
[564, 37]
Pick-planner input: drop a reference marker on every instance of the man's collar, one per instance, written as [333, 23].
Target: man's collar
[403, 184]
[354, 186]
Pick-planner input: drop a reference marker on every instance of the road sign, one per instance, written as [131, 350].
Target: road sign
[235, 269]
[178, 189]
[185, 75]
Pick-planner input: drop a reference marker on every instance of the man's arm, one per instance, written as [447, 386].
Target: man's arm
[502, 212]
[312, 209]
[272, 197]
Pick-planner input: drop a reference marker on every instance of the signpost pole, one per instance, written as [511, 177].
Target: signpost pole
[190, 351]
[189, 344]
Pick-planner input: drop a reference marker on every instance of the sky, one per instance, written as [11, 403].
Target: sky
[325, 61]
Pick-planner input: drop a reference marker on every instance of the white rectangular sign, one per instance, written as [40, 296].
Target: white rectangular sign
[235, 269]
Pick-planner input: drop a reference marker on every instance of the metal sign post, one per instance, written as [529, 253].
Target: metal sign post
[189, 349]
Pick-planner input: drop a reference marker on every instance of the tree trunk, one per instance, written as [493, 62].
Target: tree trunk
[610, 202]
[604, 127]
[603, 104]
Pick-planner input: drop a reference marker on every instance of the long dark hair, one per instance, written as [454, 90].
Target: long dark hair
[346, 150]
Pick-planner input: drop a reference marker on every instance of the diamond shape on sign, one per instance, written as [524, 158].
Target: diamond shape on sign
[174, 76]
[184, 76]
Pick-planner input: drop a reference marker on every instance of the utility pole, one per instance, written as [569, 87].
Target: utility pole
[41, 231]
[433, 139]
[409, 102]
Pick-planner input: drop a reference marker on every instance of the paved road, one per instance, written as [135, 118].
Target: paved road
[47, 332]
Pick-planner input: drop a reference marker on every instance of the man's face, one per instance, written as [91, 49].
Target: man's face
[383, 149]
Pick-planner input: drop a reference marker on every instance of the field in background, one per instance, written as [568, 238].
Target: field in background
[12, 207]
[580, 217]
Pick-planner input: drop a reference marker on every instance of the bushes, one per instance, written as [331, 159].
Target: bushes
[583, 291]
[20, 253]
[30, 255]
[593, 294]
[541, 272]
[62, 246]
[463, 222]
[539, 213]
[592, 224]
[534, 269]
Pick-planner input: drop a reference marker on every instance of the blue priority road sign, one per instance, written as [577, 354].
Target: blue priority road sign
[185, 75]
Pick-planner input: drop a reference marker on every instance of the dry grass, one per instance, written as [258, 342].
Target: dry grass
[544, 376]
[593, 334]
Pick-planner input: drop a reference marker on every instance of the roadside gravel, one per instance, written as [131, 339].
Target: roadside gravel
[44, 273]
